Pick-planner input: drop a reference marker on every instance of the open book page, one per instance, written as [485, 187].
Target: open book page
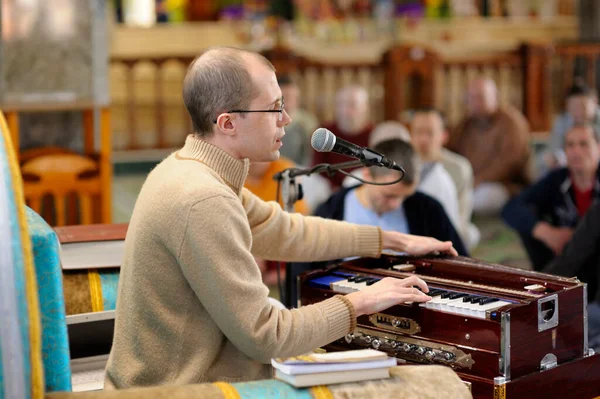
[358, 355]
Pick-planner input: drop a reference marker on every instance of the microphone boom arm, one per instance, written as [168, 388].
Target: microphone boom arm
[323, 167]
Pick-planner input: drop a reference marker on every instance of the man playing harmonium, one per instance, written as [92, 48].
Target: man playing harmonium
[191, 304]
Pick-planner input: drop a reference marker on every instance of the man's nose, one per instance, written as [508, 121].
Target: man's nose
[287, 119]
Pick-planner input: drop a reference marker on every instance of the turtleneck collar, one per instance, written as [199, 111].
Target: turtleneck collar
[232, 171]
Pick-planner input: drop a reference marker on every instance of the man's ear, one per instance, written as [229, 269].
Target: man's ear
[226, 124]
[445, 137]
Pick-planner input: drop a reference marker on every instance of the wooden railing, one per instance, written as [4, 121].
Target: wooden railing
[407, 77]
[576, 60]
[148, 111]
[147, 105]
[319, 81]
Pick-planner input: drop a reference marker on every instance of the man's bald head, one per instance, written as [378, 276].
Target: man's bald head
[352, 109]
[218, 81]
[482, 97]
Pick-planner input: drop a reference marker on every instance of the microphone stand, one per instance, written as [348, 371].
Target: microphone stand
[291, 192]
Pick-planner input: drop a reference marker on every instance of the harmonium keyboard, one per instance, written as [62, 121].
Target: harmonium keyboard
[508, 333]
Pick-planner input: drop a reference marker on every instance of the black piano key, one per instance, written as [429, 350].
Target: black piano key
[435, 292]
[457, 295]
[372, 281]
[446, 294]
[351, 279]
[486, 300]
[361, 279]
[471, 298]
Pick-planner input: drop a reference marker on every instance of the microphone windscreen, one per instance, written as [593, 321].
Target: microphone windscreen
[322, 140]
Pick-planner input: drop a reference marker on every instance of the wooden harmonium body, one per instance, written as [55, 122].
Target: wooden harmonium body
[506, 332]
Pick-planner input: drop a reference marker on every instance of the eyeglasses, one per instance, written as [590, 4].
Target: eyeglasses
[244, 111]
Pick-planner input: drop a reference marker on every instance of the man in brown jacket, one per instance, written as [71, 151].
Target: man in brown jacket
[191, 304]
[495, 139]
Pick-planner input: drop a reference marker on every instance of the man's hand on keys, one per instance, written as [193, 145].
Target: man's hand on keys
[387, 293]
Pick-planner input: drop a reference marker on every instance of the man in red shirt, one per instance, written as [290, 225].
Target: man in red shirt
[546, 213]
[352, 123]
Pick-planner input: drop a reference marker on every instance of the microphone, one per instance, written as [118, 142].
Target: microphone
[323, 140]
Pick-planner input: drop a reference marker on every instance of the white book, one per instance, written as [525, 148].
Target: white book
[310, 368]
[339, 377]
[93, 254]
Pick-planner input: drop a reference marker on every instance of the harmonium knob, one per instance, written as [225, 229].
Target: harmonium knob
[420, 351]
[448, 356]
[367, 339]
[429, 355]
[349, 338]
[376, 343]
[392, 344]
[406, 347]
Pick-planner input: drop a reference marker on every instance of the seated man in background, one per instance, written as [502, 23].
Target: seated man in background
[352, 123]
[398, 207]
[581, 108]
[433, 180]
[581, 258]
[296, 142]
[429, 134]
[495, 139]
[546, 213]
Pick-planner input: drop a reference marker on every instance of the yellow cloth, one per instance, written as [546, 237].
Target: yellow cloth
[191, 304]
[266, 188]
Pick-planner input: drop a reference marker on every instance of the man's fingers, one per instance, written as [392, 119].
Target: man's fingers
[412, 297]
[452, 251]
[420, 298]
[414, 280]
[448, 248]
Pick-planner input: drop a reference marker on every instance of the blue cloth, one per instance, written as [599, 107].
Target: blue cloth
[109, 279]
[55, 343]
[270, 389]
[357, 213]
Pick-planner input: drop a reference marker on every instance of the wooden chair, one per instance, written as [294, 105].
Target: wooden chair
[61, 176]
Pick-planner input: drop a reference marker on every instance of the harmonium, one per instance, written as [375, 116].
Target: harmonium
[508, 333]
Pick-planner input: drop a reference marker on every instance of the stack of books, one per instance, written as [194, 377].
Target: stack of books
[333, 368]
[91, 246]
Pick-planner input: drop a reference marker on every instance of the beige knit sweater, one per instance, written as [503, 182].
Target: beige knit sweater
[191, 304]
